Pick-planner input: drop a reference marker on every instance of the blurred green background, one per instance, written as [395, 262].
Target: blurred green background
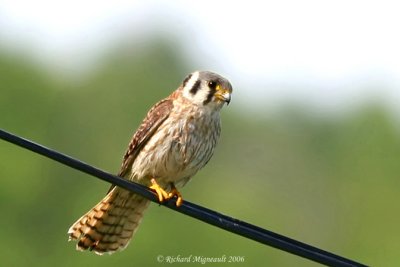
[329, 181]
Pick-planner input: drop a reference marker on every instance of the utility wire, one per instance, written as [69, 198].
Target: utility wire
[203, 214]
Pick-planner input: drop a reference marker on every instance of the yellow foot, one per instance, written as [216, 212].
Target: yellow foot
[161, 193]
[175, 192]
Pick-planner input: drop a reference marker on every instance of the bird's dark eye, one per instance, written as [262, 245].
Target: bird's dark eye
[212, 84]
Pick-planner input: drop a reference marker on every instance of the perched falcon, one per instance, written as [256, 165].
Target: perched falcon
[175, 140]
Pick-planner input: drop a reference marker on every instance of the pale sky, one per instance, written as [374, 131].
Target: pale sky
[328, 54]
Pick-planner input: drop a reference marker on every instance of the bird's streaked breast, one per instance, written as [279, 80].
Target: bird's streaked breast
[181, 146]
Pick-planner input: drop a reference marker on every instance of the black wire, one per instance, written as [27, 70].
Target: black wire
[206, 215]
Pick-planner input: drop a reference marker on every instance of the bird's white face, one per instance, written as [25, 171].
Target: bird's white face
[207, 89]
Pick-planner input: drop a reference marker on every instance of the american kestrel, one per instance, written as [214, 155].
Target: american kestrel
[175, 140]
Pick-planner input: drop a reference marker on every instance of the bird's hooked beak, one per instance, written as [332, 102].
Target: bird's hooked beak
[223, 94]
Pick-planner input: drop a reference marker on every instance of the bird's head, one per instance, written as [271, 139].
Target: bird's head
[207, 89]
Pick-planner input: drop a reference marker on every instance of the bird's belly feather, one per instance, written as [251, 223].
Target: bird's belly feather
[175, 154]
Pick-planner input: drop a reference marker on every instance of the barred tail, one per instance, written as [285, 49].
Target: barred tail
[110, 225]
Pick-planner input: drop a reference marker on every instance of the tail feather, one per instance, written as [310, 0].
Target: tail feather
[110, 225]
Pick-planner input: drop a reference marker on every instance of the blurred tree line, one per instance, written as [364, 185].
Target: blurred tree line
[329, 182]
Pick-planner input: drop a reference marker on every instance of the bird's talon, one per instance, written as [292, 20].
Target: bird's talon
[161, 193]
[175, 192]
[179, 201]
